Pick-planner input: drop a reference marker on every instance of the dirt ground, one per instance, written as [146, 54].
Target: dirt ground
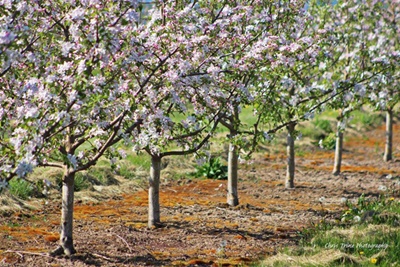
[198, 228]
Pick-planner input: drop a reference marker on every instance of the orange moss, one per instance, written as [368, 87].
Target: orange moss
[35, 249]
[316, 162]
[55, 222]
[359, 169]
[274, 157]
[318, 155]
[241, 237]
[136, 225]
[52, 238]
[229, 225]
[24, 233]
[360, 143]
[277, 166]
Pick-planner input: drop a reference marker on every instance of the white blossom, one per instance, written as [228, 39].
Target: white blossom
[66, 47]
[122, 153]
[6, 37]
[24, 168]
[72, 160]
[78, 13]
[97, 143]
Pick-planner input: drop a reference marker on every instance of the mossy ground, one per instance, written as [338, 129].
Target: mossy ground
[198, 228]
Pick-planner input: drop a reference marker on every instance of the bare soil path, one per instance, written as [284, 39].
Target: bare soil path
[198, 228]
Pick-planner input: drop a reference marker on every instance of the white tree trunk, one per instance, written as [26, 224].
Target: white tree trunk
[290, 157]
[67, 208]
[232, 197]
[338, 152]
[389, 135]
[154, 192]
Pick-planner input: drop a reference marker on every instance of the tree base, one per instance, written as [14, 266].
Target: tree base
[387, 158]
[289, 184]
[154, 225]
[232, 201]
[60, 250]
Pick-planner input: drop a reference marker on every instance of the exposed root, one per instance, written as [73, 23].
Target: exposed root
[57, 252]
[20, 253]
[60, 250]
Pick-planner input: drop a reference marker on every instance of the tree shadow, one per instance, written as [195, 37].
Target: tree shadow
[103, 259]
[263, 235]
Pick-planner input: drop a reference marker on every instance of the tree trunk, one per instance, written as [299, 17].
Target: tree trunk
[232, 198]
[389, 135]
[66, 241]
[290, 157]
[338, 152]
[154, 192]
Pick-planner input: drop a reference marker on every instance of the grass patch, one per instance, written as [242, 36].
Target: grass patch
[317, 129]
[365, 119]
[21, 188]
[368, 234]
[141, 161]
[127, 171]
[324, 125]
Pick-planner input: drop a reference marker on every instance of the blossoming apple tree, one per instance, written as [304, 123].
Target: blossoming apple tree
[176, 84]
[65, 98]
[358, 64]
[381, 22]
[274, 44]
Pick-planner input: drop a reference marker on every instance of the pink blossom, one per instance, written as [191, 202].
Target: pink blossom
[6, 37]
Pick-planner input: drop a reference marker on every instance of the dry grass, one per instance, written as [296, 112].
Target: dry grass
[324, 258]
[355, 233]
[9, 203]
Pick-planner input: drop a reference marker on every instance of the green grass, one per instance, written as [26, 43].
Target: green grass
[142, 160]
[21, 188]
[323, 124]
[368, 234]
[366, 119]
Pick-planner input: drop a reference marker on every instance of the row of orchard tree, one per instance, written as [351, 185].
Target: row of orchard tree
[78, 78]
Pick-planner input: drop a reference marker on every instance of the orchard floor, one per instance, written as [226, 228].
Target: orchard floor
[198, 229]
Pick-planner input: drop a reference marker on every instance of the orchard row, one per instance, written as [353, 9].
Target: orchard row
[78, 78]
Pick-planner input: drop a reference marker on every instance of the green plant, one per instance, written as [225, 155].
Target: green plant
[212, 169]
[329, 142]
[366, 119]
[324, 125]
[21, 188]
